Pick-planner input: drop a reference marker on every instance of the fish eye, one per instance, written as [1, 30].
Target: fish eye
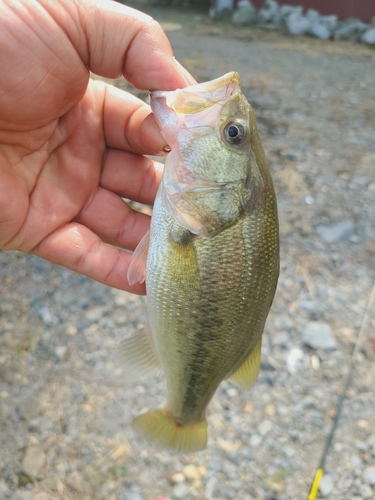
[234, 132]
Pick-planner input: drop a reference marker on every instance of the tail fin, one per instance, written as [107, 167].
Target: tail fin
[159, 429]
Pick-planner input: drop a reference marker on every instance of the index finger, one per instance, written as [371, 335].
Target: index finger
[113, 40]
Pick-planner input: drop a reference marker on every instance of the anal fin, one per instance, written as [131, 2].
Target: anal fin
[137, 354]
[246, 375]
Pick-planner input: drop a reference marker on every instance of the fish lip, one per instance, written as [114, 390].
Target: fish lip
[223, 81]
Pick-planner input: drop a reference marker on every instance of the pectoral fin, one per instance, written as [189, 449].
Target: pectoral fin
[137, 268]
[137, 354]
[247, 373]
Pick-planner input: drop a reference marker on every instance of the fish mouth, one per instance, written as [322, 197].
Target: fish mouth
[195, 107]
[198, 97]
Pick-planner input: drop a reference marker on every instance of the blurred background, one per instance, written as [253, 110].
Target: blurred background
[66, 407]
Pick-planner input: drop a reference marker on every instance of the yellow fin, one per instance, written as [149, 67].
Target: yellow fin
[162, 431]
[247, 373]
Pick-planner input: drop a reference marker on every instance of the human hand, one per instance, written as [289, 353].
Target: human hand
[70, 147]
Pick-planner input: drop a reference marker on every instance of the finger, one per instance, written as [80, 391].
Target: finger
[131, 176]
[76, 247]
[115, 40]
[128, 122]
[109, 217]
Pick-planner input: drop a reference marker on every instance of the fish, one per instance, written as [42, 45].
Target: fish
[210, 259]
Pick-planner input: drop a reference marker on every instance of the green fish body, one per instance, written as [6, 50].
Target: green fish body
[212, 258]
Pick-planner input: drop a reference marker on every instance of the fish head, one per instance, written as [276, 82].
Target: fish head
[209, 128]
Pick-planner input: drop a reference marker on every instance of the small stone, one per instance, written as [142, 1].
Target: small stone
[268, 12]
[369, 37]
[180, 490]
[326, 485]
[295, 360]
[177, 477]
[320, 31]
[26, 495]
[191, 472]
[32, 462]
[265, 427]
[133, 495]
[48, 317]
[210, 487]
[244, 14]
[369, 475]
[362, 424]
[280, 339]
[71, 330]
[366, 492]
[297, 24]
[356, 461]
[255, 440]
[318, 336]
[338, 232]
[60, 351]
[232, 392]
[202, 470]
[331, 22]
[270, 410]
[347, 29]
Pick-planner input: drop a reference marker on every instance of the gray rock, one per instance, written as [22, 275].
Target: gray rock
[318, 336]
[32, 462]
[369, 475]
[297, 24]
[221, 9]
[268, 12]
[313, 16]
[245, 14]
[339, 232]
[280, 339]
[326, 485]
[331, 22]
[356, 461]
[366, 492]
[133, 495]
[369, 37]
[255, 440]
[320, 31]
[48, 317]
[180, 490]
[348, 29]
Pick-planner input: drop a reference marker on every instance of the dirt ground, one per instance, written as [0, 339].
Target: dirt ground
[65, 402]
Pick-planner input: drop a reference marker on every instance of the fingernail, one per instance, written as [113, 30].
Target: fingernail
[189, 79]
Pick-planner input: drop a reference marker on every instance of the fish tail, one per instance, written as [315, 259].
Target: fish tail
[161, 430]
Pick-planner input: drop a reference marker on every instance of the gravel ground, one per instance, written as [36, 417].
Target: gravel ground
[66, 407]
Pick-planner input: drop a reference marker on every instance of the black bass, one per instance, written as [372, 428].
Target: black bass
[210, 260]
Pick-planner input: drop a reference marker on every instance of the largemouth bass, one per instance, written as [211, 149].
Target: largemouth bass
[210, 260]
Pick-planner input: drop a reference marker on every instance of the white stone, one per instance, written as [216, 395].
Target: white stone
[369, 475]
[369, 37]
[326, 485]
[265, 427]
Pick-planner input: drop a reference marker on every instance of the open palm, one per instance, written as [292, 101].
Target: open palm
[71, 148]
